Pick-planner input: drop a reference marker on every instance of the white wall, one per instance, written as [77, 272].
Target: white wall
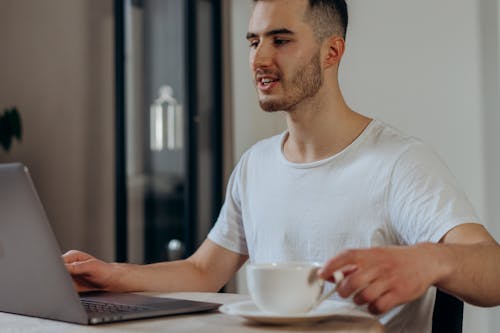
[490, 38]
[56, 66]
[429, 68]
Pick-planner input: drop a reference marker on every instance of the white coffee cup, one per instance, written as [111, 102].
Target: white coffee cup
[287, 288]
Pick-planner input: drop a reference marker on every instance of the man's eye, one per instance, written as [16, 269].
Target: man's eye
[278, 41]
[253, 44]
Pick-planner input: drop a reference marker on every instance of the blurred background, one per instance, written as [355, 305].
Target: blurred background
[128, 170]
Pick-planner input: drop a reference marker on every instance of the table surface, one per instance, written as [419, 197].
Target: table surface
[211, 322]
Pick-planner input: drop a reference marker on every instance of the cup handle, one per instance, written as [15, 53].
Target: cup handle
[337, 276]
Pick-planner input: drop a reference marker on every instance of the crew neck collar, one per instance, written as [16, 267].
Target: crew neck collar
[359, 139]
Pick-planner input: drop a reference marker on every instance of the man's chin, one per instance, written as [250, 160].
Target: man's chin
[271, 106]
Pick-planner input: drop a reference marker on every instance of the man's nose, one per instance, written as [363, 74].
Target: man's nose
[261, 57]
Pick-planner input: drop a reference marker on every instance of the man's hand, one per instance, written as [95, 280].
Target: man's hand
[89, 273]
[386, 277]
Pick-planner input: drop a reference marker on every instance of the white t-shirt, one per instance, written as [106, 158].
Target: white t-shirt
[383, 189]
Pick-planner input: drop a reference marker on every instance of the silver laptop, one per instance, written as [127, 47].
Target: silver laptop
[33, 278]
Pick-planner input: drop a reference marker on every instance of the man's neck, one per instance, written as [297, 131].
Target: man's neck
[317, 130]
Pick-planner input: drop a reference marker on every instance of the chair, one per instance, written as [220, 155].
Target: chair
[448, 314]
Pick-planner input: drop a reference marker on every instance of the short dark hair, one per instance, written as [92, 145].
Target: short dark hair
[327, 18]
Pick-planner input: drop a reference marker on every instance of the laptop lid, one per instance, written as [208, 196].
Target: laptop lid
[33, 278]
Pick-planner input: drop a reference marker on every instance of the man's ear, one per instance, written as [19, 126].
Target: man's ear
[335, 47]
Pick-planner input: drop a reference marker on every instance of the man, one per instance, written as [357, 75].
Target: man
[336, 187]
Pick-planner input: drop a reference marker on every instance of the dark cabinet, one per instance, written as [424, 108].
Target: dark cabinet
[168, 126]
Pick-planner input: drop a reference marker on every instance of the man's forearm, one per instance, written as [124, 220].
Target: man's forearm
[472, 271]
[181, 275]
[208, 269]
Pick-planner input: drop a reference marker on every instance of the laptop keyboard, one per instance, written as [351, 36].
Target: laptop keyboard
[102, 307]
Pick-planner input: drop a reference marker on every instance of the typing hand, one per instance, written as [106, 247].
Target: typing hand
[89, 273]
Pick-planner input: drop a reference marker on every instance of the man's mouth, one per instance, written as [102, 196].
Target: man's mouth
[266, 83]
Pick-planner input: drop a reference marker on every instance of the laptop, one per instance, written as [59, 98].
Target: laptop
[33, 278]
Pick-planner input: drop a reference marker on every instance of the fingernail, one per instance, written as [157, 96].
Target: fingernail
[338, 276]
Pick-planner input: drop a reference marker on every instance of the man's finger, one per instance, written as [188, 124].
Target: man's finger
[75, 256]
[343, 260]
[356, 281]
[346, 270]
[79, 267]
[384, 303]
[82, 284]
[372, 292]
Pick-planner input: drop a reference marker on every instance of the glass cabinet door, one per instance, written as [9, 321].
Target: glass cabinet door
[172, 127]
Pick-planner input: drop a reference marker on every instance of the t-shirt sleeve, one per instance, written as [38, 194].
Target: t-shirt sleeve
[228, 230]
[424, 198]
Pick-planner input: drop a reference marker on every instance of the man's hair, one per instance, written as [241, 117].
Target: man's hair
[327, 18]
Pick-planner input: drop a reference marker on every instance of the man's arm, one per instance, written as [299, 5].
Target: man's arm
[208, 269]
[464, 263]
[473, 258]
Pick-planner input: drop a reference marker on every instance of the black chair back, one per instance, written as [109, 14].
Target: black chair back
[448, 314]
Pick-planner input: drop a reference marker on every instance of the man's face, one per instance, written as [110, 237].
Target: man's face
[284, 54]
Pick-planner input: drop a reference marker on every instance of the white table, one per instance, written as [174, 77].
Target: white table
[211, 322]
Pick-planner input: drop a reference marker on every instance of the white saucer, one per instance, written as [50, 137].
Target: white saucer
[325, 310]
